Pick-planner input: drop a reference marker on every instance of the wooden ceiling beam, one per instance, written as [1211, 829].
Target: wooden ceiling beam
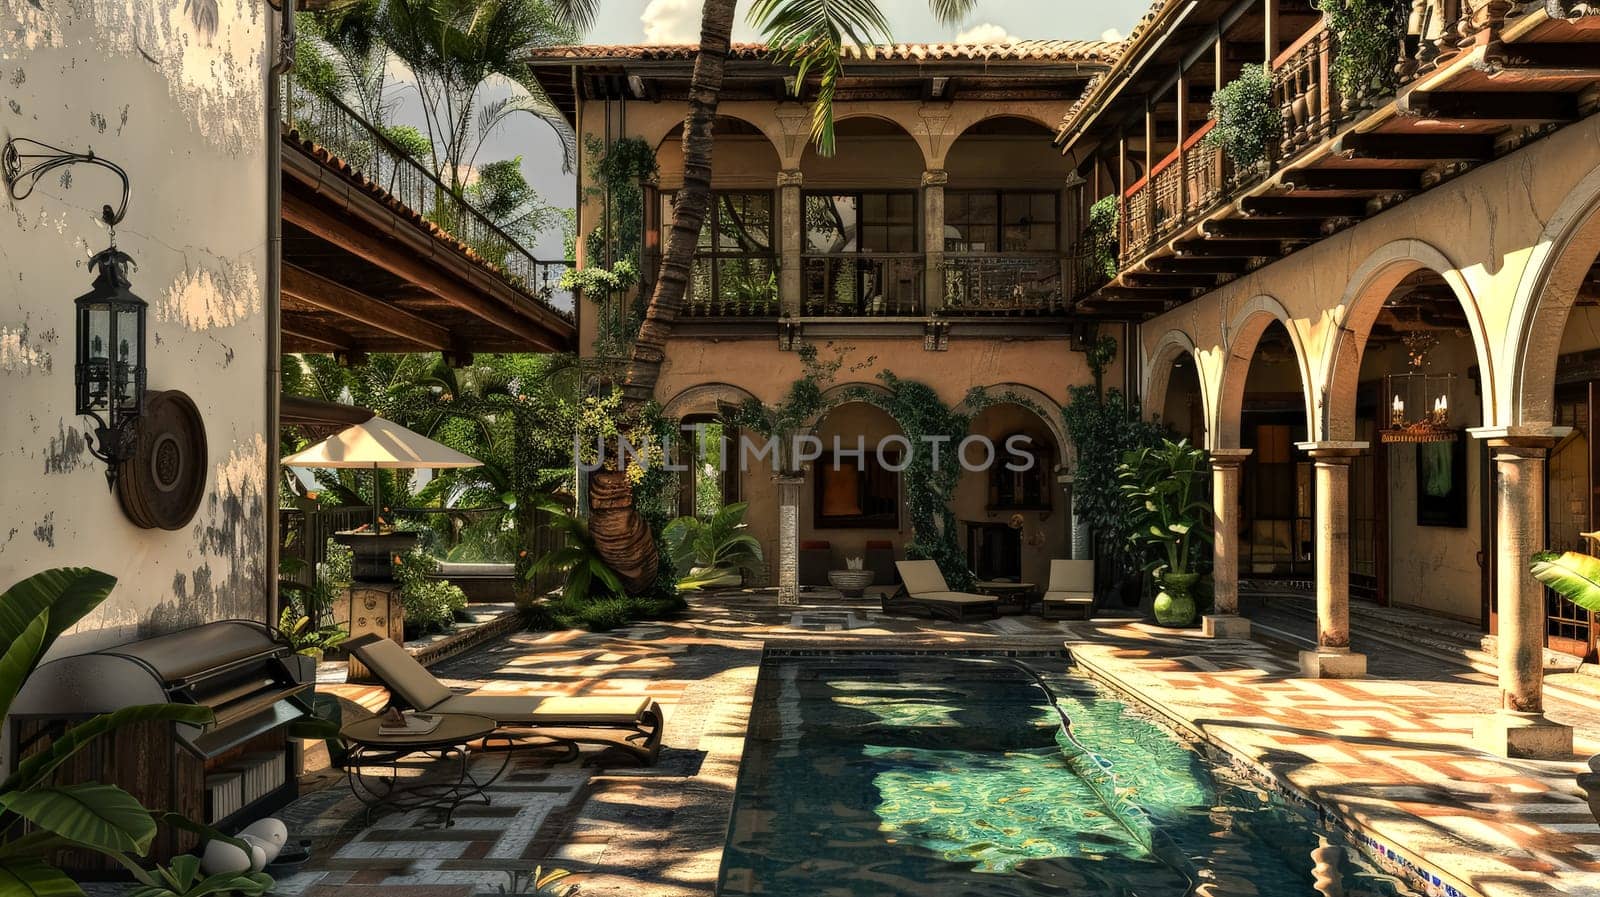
[1416, 147]
[1375, 180]
[320, 337]
[1263, 229]
[336, 298]
[1525, 107]
[1291, 206]
[366, 244]
[1162, 280]
[1188, 264]
[1232, 249]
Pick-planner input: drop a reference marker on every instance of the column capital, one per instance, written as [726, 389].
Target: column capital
[1332, 451]
[791, 177]
[935, 177]
[789, 479]
[1229, 457]
[1520, 437]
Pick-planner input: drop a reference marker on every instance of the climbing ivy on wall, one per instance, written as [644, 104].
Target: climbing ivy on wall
[802, 403]
[612, 246]
[929, 487]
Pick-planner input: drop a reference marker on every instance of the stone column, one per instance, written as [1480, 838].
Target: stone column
[1333, 658]
[933, 183]
[1224, 621]
[791, 233]
[788, 538]
[1082, 538]
[1520, 729]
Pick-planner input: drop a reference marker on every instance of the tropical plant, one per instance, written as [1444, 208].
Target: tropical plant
[716, 551]
[1101, 236]
[183, 878]
[1369, 33]
[306, 639]
[430, 604]
[1248, 124]
[801, 404]
[588, 576]
[39, 818]
[1572, 575]
[1164, 498]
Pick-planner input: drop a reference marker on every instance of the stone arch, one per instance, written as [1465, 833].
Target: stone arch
[1243, 335]
[834, 396]
[1036, 402]
[1369, 287]
[1546, 292]
[1028, 115]
[809, 157]
[704, 398]
[670, 127]
[1158, 374]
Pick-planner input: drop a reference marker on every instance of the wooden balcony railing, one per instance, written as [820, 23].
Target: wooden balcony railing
[994, 283]
[1180, 188]
[866, 284]
[1304, 91]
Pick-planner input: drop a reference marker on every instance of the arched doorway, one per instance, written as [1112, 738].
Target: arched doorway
[1183, 409]
[853, 503]
[1264, 411]
[1014, 521]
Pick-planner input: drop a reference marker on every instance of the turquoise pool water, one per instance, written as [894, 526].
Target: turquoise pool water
[918, 775]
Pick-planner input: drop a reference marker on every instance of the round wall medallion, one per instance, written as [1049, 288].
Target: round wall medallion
[161, 486]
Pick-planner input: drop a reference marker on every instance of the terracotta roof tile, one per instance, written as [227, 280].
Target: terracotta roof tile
[1054, 50]
[1129, 48]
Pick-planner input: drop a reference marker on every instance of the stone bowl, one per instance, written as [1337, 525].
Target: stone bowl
[850, 583]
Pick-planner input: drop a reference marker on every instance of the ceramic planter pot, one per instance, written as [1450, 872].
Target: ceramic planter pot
[850, 583]
[1175, 602]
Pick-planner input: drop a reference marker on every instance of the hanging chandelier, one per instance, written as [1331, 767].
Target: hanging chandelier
[1418, 402]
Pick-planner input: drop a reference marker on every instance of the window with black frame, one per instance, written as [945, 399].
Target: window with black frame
[862, 255]
[1002, 251]
[735, 270]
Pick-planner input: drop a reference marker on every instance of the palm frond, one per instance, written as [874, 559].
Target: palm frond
[951, 12]
[810, 36]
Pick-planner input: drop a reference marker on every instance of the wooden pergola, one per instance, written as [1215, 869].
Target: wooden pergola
[367, 268]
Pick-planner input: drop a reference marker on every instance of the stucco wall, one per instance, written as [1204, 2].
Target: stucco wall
[181, 105]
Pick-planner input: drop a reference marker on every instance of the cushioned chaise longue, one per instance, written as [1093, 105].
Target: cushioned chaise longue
[629, 725]
[1071, 590]
[923, 591]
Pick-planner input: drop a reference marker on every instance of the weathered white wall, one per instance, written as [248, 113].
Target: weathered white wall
[181, 104]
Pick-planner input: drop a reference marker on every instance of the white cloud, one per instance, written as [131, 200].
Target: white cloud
[1111, 34]
[671, 21]
[987, 33]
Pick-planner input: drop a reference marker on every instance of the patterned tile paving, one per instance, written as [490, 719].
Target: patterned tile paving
[1391, 756]
[1388, 752]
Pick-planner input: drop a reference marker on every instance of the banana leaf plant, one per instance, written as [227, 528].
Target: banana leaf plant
[588, 576]
[38, 818]
[716, 551]
[1571, 574]
[1164, 487]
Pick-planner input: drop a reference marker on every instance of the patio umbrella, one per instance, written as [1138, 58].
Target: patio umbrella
[379, 444]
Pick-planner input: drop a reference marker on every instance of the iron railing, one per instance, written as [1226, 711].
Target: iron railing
[346, 134]
[850, 284]
[989, 283]
[743, 286]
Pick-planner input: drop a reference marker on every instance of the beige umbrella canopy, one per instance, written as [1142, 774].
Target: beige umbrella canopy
[379, 443]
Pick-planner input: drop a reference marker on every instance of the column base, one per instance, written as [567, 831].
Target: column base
[1224, 626]
[1325, 664]
[1525, 736]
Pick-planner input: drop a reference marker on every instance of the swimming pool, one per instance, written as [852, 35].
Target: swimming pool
[934, 775]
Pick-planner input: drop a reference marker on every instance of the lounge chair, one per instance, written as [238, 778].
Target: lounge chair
[1071, 590]
[923, 591]
[632, 726]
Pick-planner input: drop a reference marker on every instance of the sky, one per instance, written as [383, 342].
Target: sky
[677, 21]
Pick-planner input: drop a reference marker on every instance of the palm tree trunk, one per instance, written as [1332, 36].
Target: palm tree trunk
[689, 210]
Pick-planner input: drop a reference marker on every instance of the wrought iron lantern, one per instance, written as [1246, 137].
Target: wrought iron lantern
[109, 373]
[110, 369]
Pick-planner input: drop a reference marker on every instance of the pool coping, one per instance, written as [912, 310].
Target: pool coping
[1397, 859]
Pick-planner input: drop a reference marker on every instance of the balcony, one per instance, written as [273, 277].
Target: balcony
[991, 283]
[862, 285]
[1462, 94]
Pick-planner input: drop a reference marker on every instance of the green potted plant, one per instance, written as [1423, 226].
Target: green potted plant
[1248, 126]
[1163, 488]
[306, 639]
[717, 551]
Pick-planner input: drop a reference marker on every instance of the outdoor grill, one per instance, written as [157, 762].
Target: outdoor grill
[238, 768]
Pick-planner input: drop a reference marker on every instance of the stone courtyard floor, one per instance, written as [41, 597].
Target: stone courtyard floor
[1389, 755]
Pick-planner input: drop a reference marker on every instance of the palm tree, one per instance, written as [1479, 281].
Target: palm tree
[809, 35]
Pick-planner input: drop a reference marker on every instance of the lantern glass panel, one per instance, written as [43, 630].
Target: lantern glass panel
[94, 376]
[129, 361]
